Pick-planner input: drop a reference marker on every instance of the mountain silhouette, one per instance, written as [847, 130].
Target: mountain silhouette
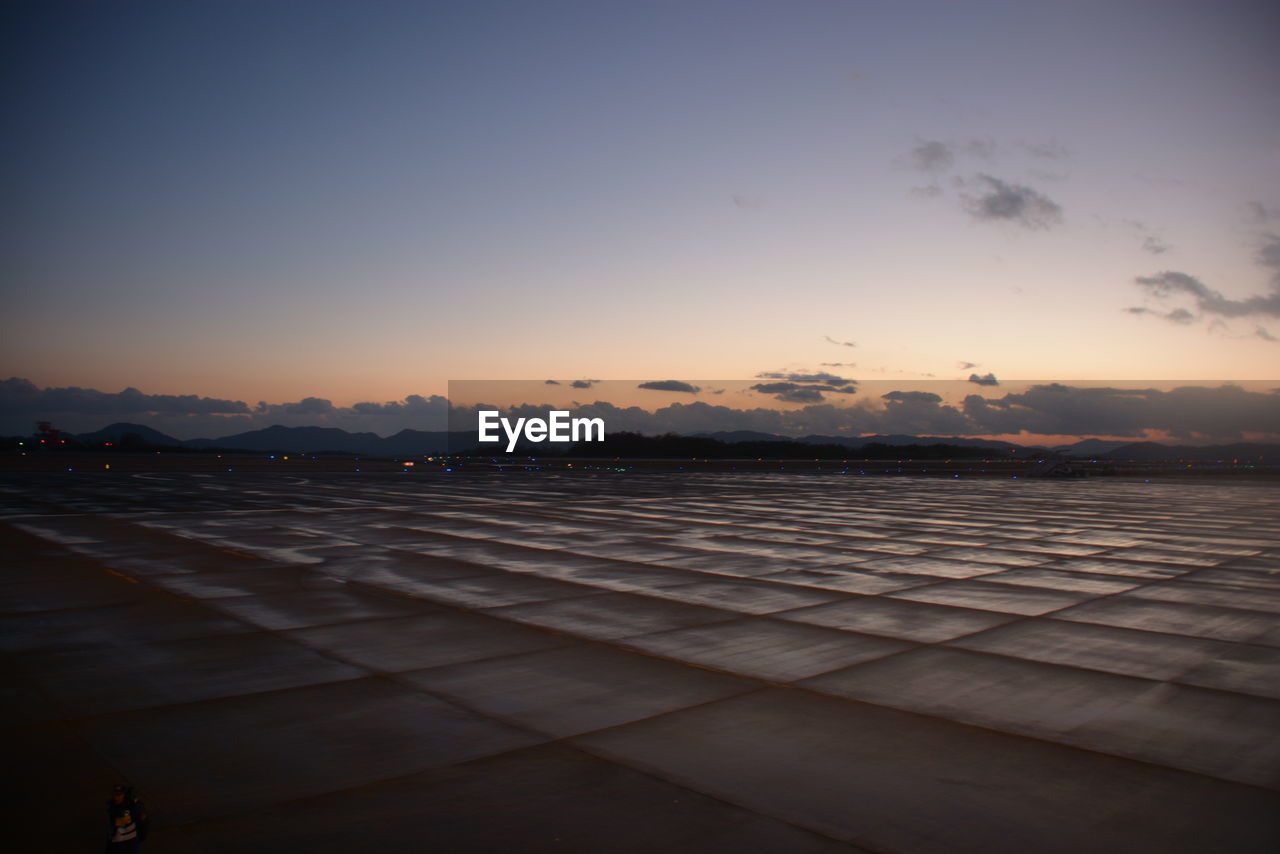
[405, 443]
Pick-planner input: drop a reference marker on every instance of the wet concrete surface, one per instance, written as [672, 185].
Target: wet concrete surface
[641, 662]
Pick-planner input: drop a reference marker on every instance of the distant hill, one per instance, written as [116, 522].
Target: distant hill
[122, 433]
[1092, 447]
[1245, 452]
[745, 443]
[737, 436]
[742, 436]
[893, 439]
[320, 439]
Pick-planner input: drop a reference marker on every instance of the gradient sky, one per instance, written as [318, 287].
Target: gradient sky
[361, 201]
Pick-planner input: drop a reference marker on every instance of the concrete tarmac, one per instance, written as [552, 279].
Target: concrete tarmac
[635, 662]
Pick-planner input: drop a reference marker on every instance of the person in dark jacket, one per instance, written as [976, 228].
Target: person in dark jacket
[126, 821]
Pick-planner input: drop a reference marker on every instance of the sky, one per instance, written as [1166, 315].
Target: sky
[266, 203]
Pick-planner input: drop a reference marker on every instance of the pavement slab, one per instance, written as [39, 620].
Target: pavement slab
[412, 643]
[611, 616]
[766, 649]
[634, 662]
[543, 799]
[920, 622]
[244, 753]
[106, 679]
[886, 780]
[577, 689]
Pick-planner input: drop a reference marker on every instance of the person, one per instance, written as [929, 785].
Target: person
[126, 821]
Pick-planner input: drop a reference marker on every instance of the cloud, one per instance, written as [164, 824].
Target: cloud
[803, 387]
[670, 385]
[792, 392]
[552, 382]
[1151, 242]
[838, 364]
[831, 340]
[22, 397]
[189, 416]
[932, 156]
[583, 383]
[1262, 214]
[985, 379]
[306, 406]
[1172, 284]
[804, 378]
[1269, 256]
[1259, 332]
[983, 149]
[999, 201]
[414, 404]
[1177, 315]
[1188, 412]
[1051, 150]
[912, 397]
[795, 387]
[921, 413]
[1155, 245]
[964, 366]
[1192, 413]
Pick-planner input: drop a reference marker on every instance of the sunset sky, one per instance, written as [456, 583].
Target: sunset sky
[360, 201]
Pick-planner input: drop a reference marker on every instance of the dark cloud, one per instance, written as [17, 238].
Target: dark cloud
[1259, 332]
[22, 397]
[932, 156]
[926, 397]
[413, 405]
[999, 201]
[670, 385]
[306, 406]
[1262, 214]
[831, 379]
[839, 364]
[985, 379]
[583, 383]
[1189, 412]
[1195, 413]
[831, 340]
[78, 410]
[964, 366]
[1155, 245]
[1172, 284]
[1151, 242]
[1177, 315]
[983, 149]
[792, 392]
[803, 388]
[1269, 256]
[1051, 150]
[552, 382]
[921, 413]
